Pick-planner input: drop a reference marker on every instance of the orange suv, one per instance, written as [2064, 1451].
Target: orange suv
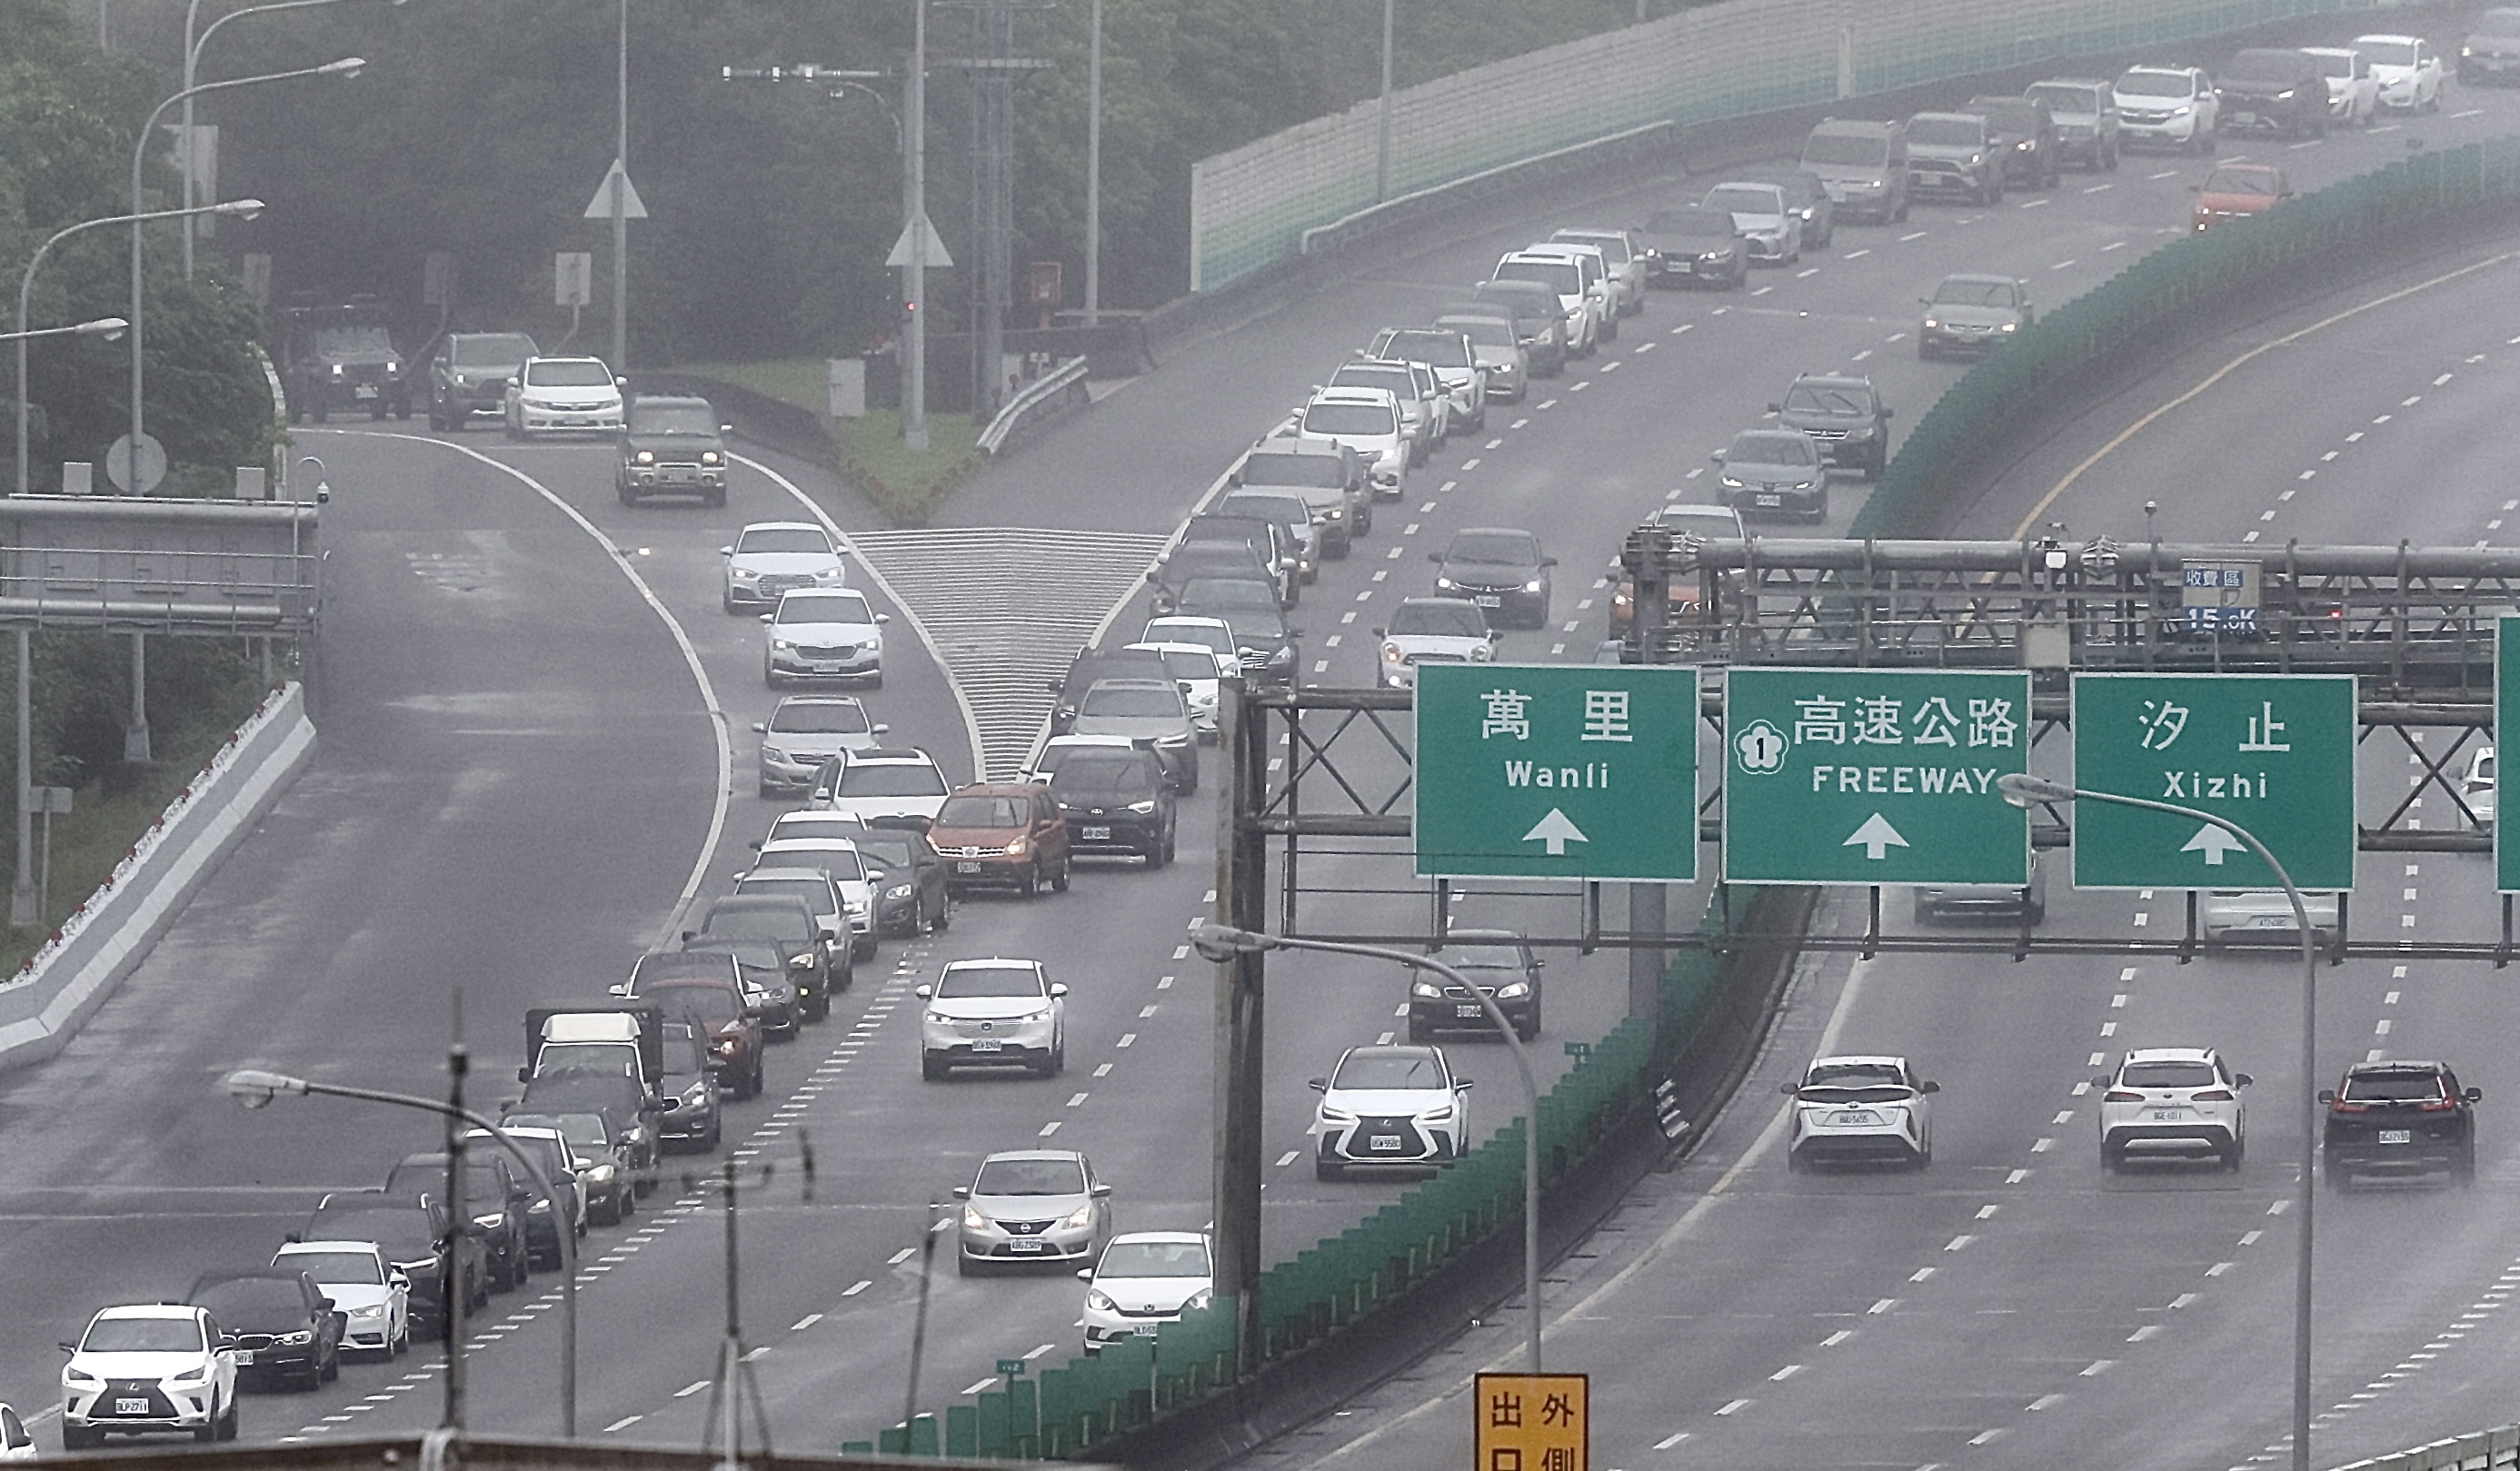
[1005, 834]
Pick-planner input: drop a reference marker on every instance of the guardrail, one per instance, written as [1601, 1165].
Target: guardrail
[2481, 1450]
[1044, 401]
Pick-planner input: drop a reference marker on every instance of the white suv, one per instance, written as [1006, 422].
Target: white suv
[885, 787]
[2167, 107]
[152, 1367]
[1432, 631]
[993, 1011]
[1367, 420]
[2177, 1099]
[1389, 1105]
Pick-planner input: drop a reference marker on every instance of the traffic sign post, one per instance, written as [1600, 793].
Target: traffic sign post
[2506, 709]
[1870, 776]
[1533, 1422]
[2273, 752]
[1556, 771]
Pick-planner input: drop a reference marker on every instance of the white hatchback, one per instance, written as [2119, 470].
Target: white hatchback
[995, 1011]
[2184, 1100]
[2408, 68]
[1432, 631]
[1144, 1281]
[1861, 1108]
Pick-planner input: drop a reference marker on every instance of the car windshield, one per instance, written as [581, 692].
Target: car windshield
[901, 779]
[764, 922]
[1394, 377]
[1443, 349]
[1484, 331]
[2168, 1075]
[824, 607]
[1513, 549]
[2501, 25]
[1613, 247]
[819, 718]
[2156, 84]
[1100, 778]
[1444, 618]
[2388, 53]
[1563, 276]
[1153, 1259]
[2062, 99]
[714, 1005]
[1773, 449]
[1693, 223]
[838, 857]
[1946, 132]
[404, 1232]
[2264, 67]
[1132, 701]
[2331, 64]
[1234, 594]
[1366, 420]
[968, 982]
[496, 349]
[1193, 664]
[1320, 470]
[982, 812]
[1704, 520]
[2482, 773]
[1744, 198]
[1825, 398]
[1476, 956]
[141, 1335]
[584, 1130]
[1846, 149]
[1030, 1177]
[883, 850]
[243, 1300]
[781, 539]
[1524, 298]
[672, 418]
[340, 340]
[1289, 510]
[2393, 1088]
[2240, 181]
[563, 372]
[815, 893]
[327, 1266]
[1964, 293]
[1389, 1072]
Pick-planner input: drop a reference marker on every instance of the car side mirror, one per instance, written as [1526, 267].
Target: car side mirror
[830, 934]
[884, 618]
[1463, 1085]
[2102, 1082]
[397, 1278]
[1538, 963]
[1929, 1087]
[880, 730]
[1317, 1085]
[525, 1075]
[1381, 632]
[962, 1192]
[726, 428]
[1717, 457]
[726, 550]
[2196, 189]
[2474, 1095]
[1775, 408]
[2241, 1080]
[1789, 1087]
[922, 992]
[1549, 561]
[620, 383]
[762, 727]
[1059, 988]
[1084, 1274]
[766, 617]
[1885, 413]
[2328, 1096]
[691, 934]
[1102, 1192]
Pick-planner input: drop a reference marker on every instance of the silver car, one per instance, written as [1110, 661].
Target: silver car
[804, 731]
[823, 633]
[1503, 359]
[1146, 710]
[1032, 1205]
[770, 559]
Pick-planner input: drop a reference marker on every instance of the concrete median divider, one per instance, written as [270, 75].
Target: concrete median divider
[112, 931]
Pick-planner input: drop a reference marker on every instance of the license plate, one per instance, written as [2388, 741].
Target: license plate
[131, 1406]
[1769, 499]
[1144, 1330]
[244, 1359]
[2169, 1115]
[1388, 1144]
[1467, 1009]
[1097, 834]
[364, 390]
[988, 1045]
[1027, 1246]
[1488, 599]
[966, 867]
[2397, 1135]
[826, 666]
[2273, 921]
[1855, 1118]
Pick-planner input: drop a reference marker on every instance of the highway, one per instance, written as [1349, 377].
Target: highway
[520, 780]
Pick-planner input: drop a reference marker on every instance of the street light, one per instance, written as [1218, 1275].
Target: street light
[254, 1088]
[108, 328]
[347, 66]
[1222, 942]
[2022, 790]
[192, 46]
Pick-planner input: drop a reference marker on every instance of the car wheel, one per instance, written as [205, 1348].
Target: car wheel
[228, 1421]
[757, 1082]
[929, 1068]
[2463, 1170]
[514, 430]
[1925, 351]
[331, 1368]
[2109, 160]
[2232, 1153]
[968, 1266]
[2112, 1158]
[2207, 143]
[1058, 880]
[1030, 888]
[716, 1134]
[401, 1343]
[1796, 1162]
[944, 917]
[1418, 1030]
[877, 681]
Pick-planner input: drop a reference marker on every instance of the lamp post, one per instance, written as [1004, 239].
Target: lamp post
[347, 67]
[1093, 172]
[192, 47]
[1383, 125]
[108, 328]
[1222, 942]
[254, 1088]
[2022, 790]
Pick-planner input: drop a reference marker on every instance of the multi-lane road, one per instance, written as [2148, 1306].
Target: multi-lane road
[535, 745]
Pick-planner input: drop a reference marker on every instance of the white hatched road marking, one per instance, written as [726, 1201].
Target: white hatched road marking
[1007, 607]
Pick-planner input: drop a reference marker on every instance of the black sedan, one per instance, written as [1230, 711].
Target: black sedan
[1696, 245]
[414, 1237]
[1117, 803]
[287, 1333]
[1496, 961]
[1501, 569]
[1775, 473]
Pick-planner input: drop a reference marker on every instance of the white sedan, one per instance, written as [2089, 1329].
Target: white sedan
[2408, 71]
[769, 559]
[1861, 1108]
[368, 1290]
[828, 633]
[553, 394]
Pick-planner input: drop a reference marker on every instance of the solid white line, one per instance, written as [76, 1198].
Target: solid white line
[624, 1423]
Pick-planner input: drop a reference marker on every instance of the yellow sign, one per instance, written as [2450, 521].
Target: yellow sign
[1533, 1422]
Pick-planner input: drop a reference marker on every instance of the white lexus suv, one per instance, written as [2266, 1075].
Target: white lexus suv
[1389, 1105]
[155, 1366]
[2181, 1100]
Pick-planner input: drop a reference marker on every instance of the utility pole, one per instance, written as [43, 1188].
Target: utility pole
[1382, 120]
[992, 200]
[914, 214]
[1094, 173]
[620, 191]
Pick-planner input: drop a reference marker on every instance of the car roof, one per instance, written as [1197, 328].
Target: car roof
[993, 962]
[784, 526]
[786, 700]
[1832, 380]
[299, 1248]
[1120, 683]
[740, 903]
[563, 357]
[791, 873]
[1859, 1059]
[1311, 446]
[2016, 280]
[150, 1310]
[1014, 788]
[889, 755]
[1393, 1050]
[2378, 35]
[2169, 1055]
[1432, 601]
[1481, 936]
[2069, 81]
[2406, 1065]
[1959, 117]
[1072, 1154]
[667, 400]
[1164, 1238]
[1343, 394]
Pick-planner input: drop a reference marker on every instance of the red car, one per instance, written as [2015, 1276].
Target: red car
[2238, 191]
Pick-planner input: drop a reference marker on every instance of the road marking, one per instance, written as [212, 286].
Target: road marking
[624, 1423]
[1984, 1435]
[1288, 1158]
[1049, 1128]
[1543, 406]
[855, 1288]
[1806, 272]
[1608, 367]
[977, 1386]
[1733, 1407]
[1682, 328]
[1865, 353]
[1911, 235]
[1920, 1275]
[693, 1388]
[2097, 188]
[2250, 1238]
[1959, 1243]
[1859, 255]
[1785, 1373]
[2017, 1177]
[1077, 1101]
[2035, 204]
[1670, 1440]
[1762, 290]
[1645, 347]
[1986, 1211]
[2064, 265]
[899, 1257]
[1127, 1039]
[1495, 445]
[1520, 423]
[2185, 1299]
[2410, 402]
[2096, 1367]
[2148, 1330]
[1882, 1306]
[2437, 382]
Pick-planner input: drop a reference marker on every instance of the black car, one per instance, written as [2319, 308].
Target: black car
[2273, 87]
[413, 1233]
[1695, 245]
[1844, 416]
[689, 1085]
[1262, 639]
[496, 1197]
[672, 447]
[1116, 803]
[2395, 1119]
[908, 880]
[1497, 962]
[1498, 568]
[546, 1217]
[577, 1089]
[818, 962]
[287, 1333]
[2025, 139]
[1775, 473]
[600, 1157]
[1539, 321]
[468, 375]
[1092, 666]
[339, 356]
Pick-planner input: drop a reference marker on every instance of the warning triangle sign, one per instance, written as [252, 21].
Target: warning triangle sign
[919, 230]
[600, 206]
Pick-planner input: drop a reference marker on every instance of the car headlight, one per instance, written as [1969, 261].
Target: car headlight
[773, 754]
[1330, 1115]
[1806, 484]
[712, 456]
[1860, 431]
[699, 1092]
[645, 456]
[603, 1174]
[1975, 158]
[368, 1313]
[1733, 482]
[2009, 327]
[1391, 653]
[336, 370]
[1079, 1218]
[297, 1339]
[1425, 989]
[1198, 1304]
[2284, 96]
[829, 574]
[1724, 254]
[1099, 1301]
[190, 1377]
[82, 1379]
[801, 961]
[1439, 1115]
[1513, 991]
[973, 1220]
[1033, 1016]
[874, 643]
[2023, 146]
[781, 644]
[1533, 585]
[1445, 584]
[897, 891]
[743, 574]
[1142, 809]
[1482, 655]
[1015, 847]
[1931, 324]
[486, 1222]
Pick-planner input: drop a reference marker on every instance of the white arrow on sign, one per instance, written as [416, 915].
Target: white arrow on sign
[1877, 837]
[1556, 832]
[2213, 843]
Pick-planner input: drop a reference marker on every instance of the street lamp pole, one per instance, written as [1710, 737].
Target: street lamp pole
[1222, 943]
[2022, 790]
[1094, 173]
[254, 1088]
[1382, 121]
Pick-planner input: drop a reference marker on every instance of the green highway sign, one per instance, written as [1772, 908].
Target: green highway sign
[1556, 771]
[2270, 752]
[1874, 776]
[2506, 709]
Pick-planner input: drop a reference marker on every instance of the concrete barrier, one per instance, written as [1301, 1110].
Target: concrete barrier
[106, 937]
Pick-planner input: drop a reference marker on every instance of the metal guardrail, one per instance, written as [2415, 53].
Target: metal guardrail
[2481, 1451]
[1055, 393]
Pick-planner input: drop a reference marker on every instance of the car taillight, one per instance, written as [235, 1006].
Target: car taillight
[2342, 1106]
[2214, 1095]
[2122, 1095]
[2436, 1106]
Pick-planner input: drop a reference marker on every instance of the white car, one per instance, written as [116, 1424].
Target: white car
[553, 394]
[1861, 1108]
[157, 1366]
[805, 730]
[1144, 1281]
[2184, 1100]
[2352, 91]
[1197, 669]
[1563, 275]
[1423, 405]
[885, 787]
[811, 823]
[1045, 762]
[1765, 217]
[1599, 285]
[2408, 71]
[993, 1012]
[1623, 256]
[1389, 1105]
[1448, 353]
[365, 1287]
[1432, 631]
[838, 857]
[770, 559]
[823, 633]
[2167, 107]
[17, 1441]
[2263, 915]
[1367, 420]
[2476, 788]
[1211, 633]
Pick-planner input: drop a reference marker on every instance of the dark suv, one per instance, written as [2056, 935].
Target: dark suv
[468, 375]
[2025, 139]
[2269, 87]
[341, 357]
[1954, 152]
[1845, 416]
[496, 1196]
[2399, 1118]
[672, 447]
[1118, 803]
